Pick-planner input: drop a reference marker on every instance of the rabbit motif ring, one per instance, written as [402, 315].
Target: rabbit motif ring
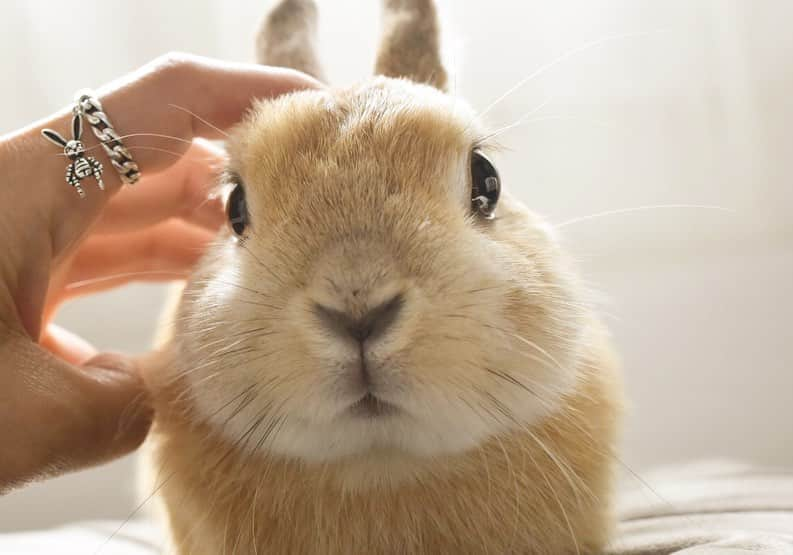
[82, 166]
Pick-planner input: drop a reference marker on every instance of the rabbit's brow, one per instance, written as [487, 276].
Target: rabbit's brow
[229, 177]
[226, 179]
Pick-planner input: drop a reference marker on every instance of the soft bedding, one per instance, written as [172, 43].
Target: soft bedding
[720, 508]
[712, 507]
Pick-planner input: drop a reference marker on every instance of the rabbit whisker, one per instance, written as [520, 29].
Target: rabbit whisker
[151, 273]
[199, 118]
[549, 117]
[559, 59]
[639, 209]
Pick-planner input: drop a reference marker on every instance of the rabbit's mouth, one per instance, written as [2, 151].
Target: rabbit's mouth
[370, 406]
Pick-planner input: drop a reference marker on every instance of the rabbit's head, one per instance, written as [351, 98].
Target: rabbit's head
[376, 291]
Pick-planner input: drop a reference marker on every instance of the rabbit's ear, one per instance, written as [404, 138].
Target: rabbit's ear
[410, 44]
[77, 127]
[287, 37]
[53, 137]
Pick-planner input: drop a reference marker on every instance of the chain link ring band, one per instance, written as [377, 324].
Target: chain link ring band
[119, 155]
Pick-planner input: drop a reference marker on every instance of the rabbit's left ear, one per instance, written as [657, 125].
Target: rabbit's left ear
[410, 42]
[54, 137]
[77, 127]
[288, 35]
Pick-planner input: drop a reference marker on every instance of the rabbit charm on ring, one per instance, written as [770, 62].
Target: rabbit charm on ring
[81, 166]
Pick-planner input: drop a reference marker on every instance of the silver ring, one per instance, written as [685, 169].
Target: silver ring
[119, 155]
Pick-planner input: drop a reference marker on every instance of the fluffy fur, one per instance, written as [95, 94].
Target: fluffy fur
[502, 392]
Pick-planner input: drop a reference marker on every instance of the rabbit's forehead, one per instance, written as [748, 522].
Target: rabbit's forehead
[394, 125]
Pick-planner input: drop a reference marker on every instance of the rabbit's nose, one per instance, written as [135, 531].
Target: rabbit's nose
[369, 326]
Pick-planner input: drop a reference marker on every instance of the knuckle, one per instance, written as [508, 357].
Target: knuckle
[193, 197]
[120, 413]
[174, 64]
[155, 251]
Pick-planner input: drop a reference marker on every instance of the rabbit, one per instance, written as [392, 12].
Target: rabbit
[383, 352]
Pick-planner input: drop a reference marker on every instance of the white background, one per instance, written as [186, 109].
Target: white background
[674, 103]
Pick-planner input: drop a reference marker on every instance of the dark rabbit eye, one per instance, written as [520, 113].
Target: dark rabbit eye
[485, 185]
[237, 210]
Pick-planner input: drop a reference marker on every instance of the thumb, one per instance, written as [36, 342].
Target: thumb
[56, 417]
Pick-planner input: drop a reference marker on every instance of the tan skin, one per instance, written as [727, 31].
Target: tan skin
[63, 406]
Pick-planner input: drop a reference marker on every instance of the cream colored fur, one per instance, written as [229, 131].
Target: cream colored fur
[507, 395]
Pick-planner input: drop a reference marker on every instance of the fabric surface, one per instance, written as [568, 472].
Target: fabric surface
[714, 507]
[86, 538]
[721, 508]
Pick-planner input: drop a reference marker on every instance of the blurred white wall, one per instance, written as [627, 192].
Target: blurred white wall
[674, 103]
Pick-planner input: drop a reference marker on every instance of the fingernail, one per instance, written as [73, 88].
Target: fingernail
[134, 420]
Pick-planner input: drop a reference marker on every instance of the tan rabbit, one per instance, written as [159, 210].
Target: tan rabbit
[384, 353]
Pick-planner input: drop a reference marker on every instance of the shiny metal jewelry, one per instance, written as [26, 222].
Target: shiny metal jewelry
[81, 166]
[119, 155]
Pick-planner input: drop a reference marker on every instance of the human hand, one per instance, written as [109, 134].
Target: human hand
[62, 405]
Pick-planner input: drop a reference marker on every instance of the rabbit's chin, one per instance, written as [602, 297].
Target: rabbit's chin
[392, 434]
[389, 428]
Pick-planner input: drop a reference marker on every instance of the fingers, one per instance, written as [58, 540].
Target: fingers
[56, 417]
[164, 251]
[176, 98]
[181, 191]
[179, 97]
[70, 347]
[230, 88]
[157, 111]
[98, 285]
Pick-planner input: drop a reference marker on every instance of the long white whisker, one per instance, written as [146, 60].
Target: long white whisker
[93, 281]
[641, 208]
[521, 119]
[199, 118]
[549, 117]
[570, 53]
[173, 152]
[558, 502]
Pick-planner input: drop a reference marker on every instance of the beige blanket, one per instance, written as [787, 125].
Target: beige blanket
[718, 508]
[722, 508]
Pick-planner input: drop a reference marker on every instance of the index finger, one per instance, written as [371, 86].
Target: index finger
[213, 96]
[56, 417]
[182, 191]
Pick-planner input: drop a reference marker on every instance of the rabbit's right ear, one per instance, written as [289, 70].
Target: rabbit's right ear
[53, 137]
[77, 126]
[288, 35]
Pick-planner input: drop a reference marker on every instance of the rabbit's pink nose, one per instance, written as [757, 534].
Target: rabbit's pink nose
[372, 324]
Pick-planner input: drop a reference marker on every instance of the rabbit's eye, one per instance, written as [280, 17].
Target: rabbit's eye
[485, 185]
[237, 210]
